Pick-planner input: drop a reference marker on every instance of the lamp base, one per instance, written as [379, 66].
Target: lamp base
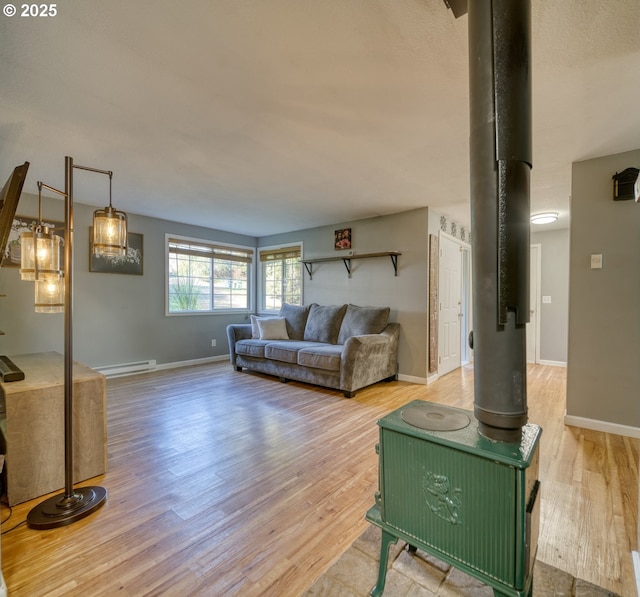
[61, 510]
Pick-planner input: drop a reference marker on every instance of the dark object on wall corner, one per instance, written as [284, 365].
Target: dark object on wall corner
[458, 7]
[9, 202]
[623, 183]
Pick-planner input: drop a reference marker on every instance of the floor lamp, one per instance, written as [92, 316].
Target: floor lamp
[109, 237]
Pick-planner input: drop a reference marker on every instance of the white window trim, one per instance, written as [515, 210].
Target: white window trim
[260, 288]
[251, 277]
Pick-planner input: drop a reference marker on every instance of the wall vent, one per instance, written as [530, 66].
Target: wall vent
[127, 368]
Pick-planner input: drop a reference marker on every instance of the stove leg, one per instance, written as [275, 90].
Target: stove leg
[386, 541]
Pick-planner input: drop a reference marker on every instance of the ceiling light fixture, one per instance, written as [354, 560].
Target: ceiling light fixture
[544, 218]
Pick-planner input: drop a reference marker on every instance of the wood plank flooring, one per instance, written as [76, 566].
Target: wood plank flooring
[227, 483]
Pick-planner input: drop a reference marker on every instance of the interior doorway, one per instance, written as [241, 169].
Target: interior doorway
[454, 303]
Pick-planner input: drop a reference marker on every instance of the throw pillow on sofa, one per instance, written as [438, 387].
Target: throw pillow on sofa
[255, 330]
[359, 321]
[273, 328]
[323, 323]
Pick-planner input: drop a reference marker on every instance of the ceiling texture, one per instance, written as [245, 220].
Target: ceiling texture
[266, 116]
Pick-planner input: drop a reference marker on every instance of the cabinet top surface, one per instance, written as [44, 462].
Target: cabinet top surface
[45, 369]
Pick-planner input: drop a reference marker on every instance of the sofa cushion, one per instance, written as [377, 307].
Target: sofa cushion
[251, 348]
[273, 328]
[284, 350]
[296, 316]
[323, 323]
[359, 321]
[322, 356]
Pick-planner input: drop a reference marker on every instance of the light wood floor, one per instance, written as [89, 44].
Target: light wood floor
[226, 483]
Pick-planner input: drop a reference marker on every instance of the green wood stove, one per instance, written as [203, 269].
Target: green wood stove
[468, 500]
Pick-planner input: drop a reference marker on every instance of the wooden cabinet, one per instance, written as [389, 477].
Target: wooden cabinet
[33, 426]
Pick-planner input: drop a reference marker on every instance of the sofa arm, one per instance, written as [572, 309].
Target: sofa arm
[235, 332]
[369, 358]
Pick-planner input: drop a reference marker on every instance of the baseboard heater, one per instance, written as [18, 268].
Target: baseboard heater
[127, 368]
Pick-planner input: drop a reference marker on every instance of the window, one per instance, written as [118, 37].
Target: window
[204, 277]
[281, 277]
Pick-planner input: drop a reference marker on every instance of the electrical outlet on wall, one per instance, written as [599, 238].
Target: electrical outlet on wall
[213, 342]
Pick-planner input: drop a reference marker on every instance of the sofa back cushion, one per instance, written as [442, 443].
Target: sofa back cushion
[296, 316]
[323, 323]
[363, 320]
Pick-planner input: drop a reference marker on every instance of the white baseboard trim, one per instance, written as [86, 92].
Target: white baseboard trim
[176, 364]
[636, 566]
[604, 426]
[112, 371]
[412, 379]
[123, 369]
[553, 363]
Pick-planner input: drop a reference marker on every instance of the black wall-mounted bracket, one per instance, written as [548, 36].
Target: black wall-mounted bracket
[346, 259]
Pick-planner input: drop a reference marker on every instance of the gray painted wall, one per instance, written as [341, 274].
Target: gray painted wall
[373, 281]
[121, 318]
[554, 316]
[603, 375]
[117, 318]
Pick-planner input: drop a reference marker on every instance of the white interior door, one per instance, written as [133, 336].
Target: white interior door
[533, 327]
[450, 305]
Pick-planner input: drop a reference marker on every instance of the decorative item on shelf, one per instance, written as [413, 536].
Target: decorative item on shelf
[74, 503]
[342, 239]
[623, 184]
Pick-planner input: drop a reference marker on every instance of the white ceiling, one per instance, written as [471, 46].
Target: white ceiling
[265, 116]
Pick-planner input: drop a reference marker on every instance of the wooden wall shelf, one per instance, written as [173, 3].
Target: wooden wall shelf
[346, 259]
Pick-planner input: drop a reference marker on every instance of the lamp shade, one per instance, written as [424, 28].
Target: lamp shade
[109, 232]
[50, 296]
[40, 255]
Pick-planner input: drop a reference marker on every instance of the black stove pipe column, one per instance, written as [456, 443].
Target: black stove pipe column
[500, 150]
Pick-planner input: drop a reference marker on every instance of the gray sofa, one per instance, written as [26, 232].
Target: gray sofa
[345, 347]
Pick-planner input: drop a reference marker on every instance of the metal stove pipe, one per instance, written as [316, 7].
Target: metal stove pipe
[500, 159]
